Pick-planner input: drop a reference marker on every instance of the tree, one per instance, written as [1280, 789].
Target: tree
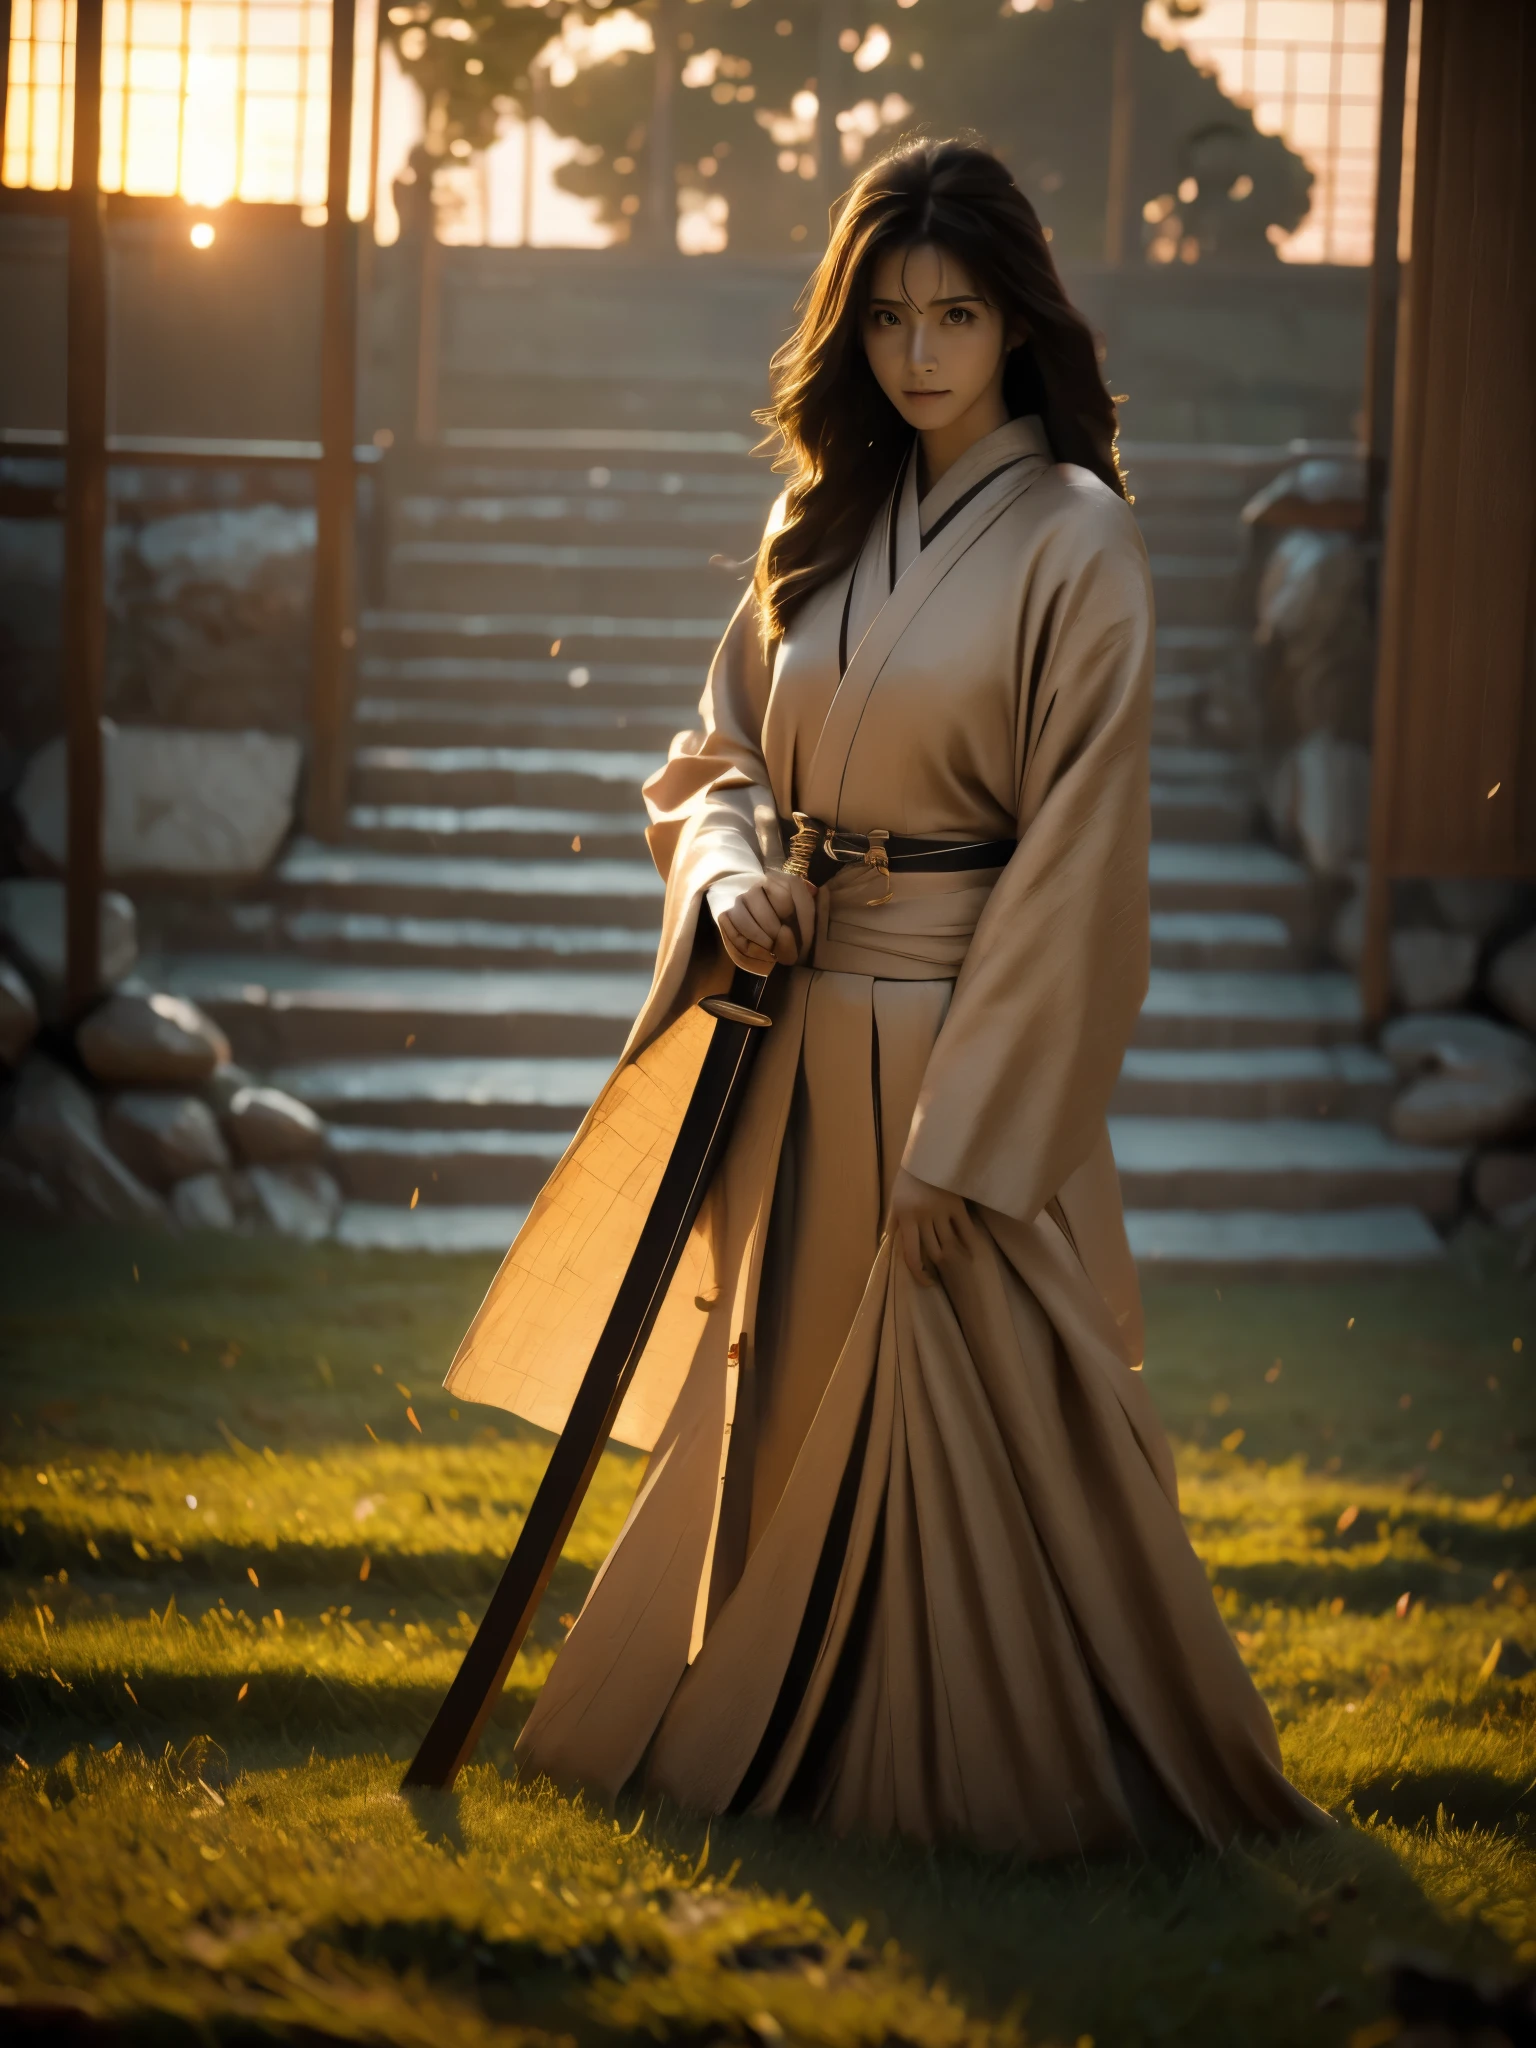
[748, 128]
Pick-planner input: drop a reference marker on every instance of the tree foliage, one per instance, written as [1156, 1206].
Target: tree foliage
[1204, 184]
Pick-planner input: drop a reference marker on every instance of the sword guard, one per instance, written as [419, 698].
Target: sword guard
[735, 1013]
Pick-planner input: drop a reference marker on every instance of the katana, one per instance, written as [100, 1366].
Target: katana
[696, 1151]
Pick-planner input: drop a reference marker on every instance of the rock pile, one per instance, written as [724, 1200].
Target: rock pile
[142, 1118]
[1462, 953]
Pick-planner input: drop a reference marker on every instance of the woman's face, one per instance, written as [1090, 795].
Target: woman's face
[936, 347]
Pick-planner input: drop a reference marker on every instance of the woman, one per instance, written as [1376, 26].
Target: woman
[907, 1555]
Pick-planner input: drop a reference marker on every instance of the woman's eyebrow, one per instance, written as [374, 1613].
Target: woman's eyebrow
[959, 299]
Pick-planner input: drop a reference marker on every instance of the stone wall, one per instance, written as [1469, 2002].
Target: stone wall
[226, 341]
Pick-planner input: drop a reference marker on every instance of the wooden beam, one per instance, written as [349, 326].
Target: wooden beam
[5, 66]
[1381, 333]
[1122, 127]
[335, 624]
[661, 146]
[85, 521]
[831, 68]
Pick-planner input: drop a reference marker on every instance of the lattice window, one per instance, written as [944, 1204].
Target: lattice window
[209, 99]
[1310, 70]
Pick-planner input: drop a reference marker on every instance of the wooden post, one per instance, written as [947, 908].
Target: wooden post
[5, 66]
[1122, 121]
[335, 633]
[662, 147]
[85, 521]
[829, 151]
[1381, 334]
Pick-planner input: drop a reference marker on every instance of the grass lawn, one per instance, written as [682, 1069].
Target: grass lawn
[245, 1537]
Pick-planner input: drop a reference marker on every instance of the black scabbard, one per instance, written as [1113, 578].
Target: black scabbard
[701, 1137]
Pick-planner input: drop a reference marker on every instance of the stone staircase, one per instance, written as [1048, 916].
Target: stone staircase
[449, 986]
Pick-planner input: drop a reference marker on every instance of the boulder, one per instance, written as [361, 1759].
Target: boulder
[32, 922]
[1512, 980]
[1502, 1180]
[202, 1202]
[1473, 1081]
[269, 1128]
[1346, 931]
[224, 1084]
[137, 1040]
[216, 805]
[1463, 1109]
[56, 1132]
[18, 1015]
[1433, 970]
[1455, 1042]
[212, 617]
[1320, 798]
[25, 1197]
[164, 1138]
[1315, 638]
[1476, 905]
[296, 1201]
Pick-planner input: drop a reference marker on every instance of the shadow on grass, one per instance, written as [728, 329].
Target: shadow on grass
[207, 1561]
[1456, 1798]
[1194, 1946]
[298, 1711]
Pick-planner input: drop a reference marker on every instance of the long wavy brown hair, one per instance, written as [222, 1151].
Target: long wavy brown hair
[841, 439]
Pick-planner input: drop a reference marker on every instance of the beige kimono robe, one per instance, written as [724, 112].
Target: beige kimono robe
[908, 1559]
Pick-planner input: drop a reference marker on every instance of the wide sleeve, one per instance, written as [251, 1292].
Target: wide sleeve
[1018, 1084]
[712, 811]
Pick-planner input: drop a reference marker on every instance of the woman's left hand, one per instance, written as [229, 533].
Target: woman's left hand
[930, 1224]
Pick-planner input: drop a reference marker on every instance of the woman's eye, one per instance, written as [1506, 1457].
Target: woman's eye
[959, 316]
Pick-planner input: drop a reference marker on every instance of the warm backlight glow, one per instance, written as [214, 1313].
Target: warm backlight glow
[211, 99]
[1310, 71]
[201, 236]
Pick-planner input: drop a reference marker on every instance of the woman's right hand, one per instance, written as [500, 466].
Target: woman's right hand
[769, 923]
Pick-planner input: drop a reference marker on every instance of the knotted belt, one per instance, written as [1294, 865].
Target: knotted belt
[817, 851]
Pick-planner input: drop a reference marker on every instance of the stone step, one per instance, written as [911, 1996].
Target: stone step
[580, 636]
[280, 1010]
[574, 889]
[411, 1093]
[1215, 765]
[525, 576]
[1233, 939]
[579, 445]
[1282, 1245]
[1199, 589]
[1247, 877]
[1168, 1243]
[727, 525]
[589, 777]
[1190, 648]
[512, 831]
[1189, 811]
[622, 477]
[466, 1230]
[1183, 527]
[214, 925]
[1188, 1007]
[477, 1166]
[463, 683]
[574, 718]
[1180, 939]
[1281, 1163]
[1296, 1081]
[371, 937]
[583, 889]
[1283, 1166]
